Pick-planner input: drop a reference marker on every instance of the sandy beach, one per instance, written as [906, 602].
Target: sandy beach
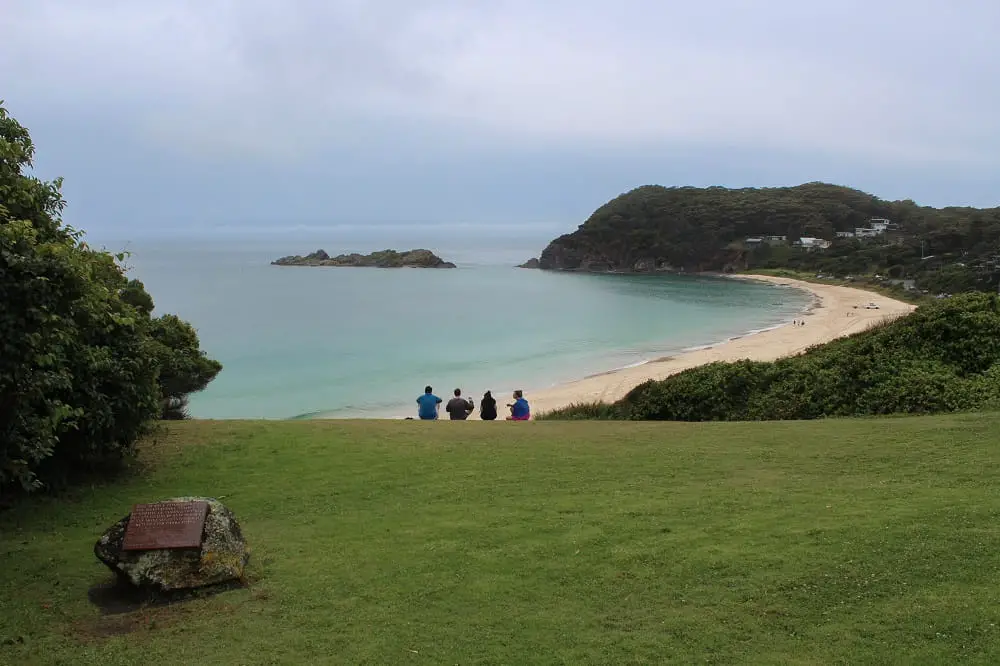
[837, 311]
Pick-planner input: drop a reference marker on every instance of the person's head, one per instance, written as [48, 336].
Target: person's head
[458, 392]
[428, 389]
[518, 394]
[487, 395]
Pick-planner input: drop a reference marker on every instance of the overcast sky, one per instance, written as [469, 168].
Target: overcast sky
[199, 115]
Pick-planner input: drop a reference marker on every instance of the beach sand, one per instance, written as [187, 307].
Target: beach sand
[837, 311]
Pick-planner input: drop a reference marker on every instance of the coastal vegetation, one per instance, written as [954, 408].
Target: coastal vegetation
[843, 541]
[943, 357]
[86, 369]
[383, 259]
[815, 227]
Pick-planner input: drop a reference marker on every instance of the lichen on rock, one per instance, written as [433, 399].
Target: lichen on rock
[222, 557]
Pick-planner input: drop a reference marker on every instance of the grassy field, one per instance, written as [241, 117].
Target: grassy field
[844, 541]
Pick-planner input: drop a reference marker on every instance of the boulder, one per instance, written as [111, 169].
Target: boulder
[318, 255]
[221, 558]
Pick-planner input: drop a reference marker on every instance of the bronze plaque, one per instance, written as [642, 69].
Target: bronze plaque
[165, 525]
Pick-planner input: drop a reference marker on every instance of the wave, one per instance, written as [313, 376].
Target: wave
[573, 367]
[695, 348]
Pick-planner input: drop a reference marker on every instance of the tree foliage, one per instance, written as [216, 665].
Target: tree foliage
[943, 357]
[85, 370]
[184, 367]
[705, 229]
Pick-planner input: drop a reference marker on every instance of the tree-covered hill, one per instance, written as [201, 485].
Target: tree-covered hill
[706, 229]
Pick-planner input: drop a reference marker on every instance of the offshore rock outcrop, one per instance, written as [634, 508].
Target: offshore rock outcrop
[384, 259]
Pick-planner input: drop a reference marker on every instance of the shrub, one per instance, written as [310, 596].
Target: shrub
[944, 357]
[592, 411]
[184, 367]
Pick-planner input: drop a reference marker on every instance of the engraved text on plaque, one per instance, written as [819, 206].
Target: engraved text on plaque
[165, 525]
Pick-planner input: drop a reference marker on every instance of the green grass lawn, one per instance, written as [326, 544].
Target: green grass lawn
[843, 541]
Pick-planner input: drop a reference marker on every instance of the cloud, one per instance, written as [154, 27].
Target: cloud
[243, 115]
[888, 80]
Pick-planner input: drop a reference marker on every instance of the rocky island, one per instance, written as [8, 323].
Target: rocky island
[382, 259]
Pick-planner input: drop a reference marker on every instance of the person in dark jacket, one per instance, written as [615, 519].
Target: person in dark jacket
[458, 407]
[488, 407]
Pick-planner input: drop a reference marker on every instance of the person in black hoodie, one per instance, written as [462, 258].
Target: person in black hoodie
[488, 407]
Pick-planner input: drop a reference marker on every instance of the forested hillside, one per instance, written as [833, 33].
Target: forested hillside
[656, 228]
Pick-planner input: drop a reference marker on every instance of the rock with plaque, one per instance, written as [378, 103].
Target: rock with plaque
[179, 543]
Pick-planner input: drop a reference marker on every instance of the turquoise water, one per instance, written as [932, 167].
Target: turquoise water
[364, 342]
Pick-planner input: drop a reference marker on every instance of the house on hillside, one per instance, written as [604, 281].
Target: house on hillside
[845, 234]
[876, 227]
[776, 240]
[753, 243]
[810, 243]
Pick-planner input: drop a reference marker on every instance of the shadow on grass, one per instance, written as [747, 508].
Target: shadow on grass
[115, 596]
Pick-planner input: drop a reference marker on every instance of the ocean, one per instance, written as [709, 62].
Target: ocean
[363, 342]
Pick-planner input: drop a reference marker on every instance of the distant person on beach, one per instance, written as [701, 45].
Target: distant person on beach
[488, 407]
[458, 407]
[428, 405]
[519, 410]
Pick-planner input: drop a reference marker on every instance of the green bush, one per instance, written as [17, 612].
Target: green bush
[580, 411]
[943, 357]
[720, 390]
[184, 368]
[84, 370]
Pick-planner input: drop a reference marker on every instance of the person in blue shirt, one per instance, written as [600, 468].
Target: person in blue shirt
[519, 411]
[428, 405]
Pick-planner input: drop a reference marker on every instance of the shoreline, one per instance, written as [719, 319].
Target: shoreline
[835, 312]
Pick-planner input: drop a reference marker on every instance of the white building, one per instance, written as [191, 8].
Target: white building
[876, 227]
[845, 234]
[811, 243]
